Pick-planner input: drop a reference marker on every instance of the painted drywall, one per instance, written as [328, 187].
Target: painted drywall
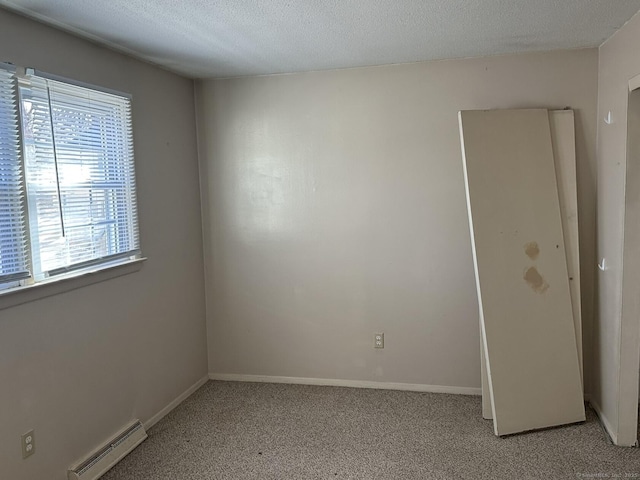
[334, 207]
[78, 366]
[616, 324]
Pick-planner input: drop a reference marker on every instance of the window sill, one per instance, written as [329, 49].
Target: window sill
[65, 283]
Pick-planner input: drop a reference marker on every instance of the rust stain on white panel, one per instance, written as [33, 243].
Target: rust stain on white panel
[532, 250]
[535, 280]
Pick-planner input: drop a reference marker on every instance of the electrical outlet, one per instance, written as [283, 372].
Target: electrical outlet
[378, 340]
[28, 444]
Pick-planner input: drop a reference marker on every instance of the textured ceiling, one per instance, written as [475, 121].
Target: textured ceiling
[219, 38]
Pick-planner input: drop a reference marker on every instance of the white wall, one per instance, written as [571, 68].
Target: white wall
[334, 208]
[616, 325]
[79, 365]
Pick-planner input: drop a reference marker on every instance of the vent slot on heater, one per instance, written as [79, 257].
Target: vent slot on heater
[101, 460]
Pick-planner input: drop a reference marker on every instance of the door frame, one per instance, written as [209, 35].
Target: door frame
[629, 366]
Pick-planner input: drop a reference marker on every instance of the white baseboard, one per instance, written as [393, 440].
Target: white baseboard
[174, 403]
[331, 382]
[606, 424]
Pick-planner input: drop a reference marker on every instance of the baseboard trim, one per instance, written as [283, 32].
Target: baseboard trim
[174, 403]
[334, 382]
[604, 421]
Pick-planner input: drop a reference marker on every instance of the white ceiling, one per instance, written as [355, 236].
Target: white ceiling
[220, 38]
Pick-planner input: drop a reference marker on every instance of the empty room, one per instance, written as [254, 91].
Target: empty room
[365, 239]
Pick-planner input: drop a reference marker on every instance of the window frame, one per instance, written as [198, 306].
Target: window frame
[69, 277]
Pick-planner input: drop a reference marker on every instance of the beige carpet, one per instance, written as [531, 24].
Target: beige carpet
[230, 430]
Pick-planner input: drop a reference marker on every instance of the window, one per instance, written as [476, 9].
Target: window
[73, 187]
[13, 233]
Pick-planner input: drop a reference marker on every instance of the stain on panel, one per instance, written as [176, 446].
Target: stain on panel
[535, 280]
[532, 250]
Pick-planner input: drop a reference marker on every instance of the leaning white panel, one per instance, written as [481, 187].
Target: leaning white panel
[521, 271]
[562, 125]
[487, 411]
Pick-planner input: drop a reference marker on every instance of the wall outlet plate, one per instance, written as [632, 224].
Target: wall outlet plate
[378, 340]
[28, 444]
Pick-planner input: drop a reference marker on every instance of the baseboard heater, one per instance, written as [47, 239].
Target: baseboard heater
[100, 461]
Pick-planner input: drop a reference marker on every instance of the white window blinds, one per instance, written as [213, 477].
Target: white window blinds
[13, 238]
[80, 179]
